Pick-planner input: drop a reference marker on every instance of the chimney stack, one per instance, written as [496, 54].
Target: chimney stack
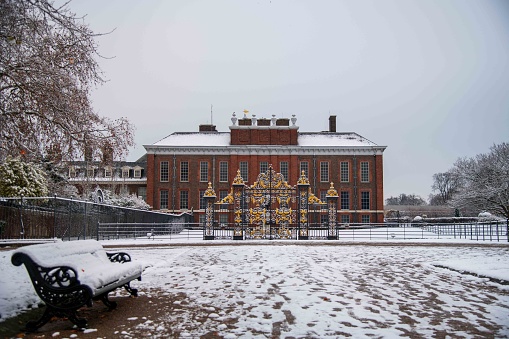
[332, 124]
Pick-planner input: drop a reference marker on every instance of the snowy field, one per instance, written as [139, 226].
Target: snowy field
[312, 289]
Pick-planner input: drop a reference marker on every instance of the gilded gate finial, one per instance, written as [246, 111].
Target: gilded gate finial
[332, 191]
[210, 191]
[238, 179]
[303, 180]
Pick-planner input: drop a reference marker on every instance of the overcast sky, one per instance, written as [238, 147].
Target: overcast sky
[428, 79]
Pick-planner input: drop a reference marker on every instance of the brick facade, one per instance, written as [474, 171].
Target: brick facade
[184, 158]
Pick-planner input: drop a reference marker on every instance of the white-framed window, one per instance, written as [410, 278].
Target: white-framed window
[345, 218]
[364, 171]
[163, 199]
[264, 166]
[344, 169]
[90, 172]
[223, 171]
[243, 165]
[184, 200]
[125, 172]
[108, 172]
[283, 169]
[304, 166]
[184, 171]
[203, 203]
[365, 200]
[365, 219]
[323, 198]
[137, 172]
[204, 171]
[324, 171]
[164, 171]
[345, 200]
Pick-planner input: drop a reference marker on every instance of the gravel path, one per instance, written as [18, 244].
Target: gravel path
[302, 292]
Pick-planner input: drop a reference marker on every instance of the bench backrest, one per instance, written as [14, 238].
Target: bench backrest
[69, 253]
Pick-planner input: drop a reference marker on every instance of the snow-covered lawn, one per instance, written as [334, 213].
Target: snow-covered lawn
[315, 289]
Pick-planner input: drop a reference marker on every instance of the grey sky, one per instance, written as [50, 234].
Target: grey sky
[429, 79]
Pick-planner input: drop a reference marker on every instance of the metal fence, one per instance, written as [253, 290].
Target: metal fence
[172, 231]
[54, 217]
[479, 231]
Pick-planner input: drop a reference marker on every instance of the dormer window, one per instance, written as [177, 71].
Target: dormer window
[108, 172]
[137, 172]
[90, 172]
[125, 172]
[72, 172]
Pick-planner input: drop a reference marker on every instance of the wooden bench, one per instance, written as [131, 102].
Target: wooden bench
[69, 275]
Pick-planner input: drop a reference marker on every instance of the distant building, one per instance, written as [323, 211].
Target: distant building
[180, 166]
[120, 177]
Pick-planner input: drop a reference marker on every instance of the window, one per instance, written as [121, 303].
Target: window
[364, 171]
[324, 171]
[304, 166]
[204, 171]
[202, 219]
[203, 203]
[243, 170]
[163, 171]
[324, 219]
[344, 171]
[163, 199]
[222, 195]
[365, 219]
[223, 219]
[142, 193]
[323, 198]
[283, 168]
[72, 172]
[223, 171]
[345, 200]
[365, 200]
[345, 218]
[90, 173]
[107, 172]
[125, 172]
[184, 171]
[184, 200]
[264, 166]
[137, 173]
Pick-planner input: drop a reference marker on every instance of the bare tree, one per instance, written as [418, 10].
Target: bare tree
[485, 180]
[47, 70]
[446, 184]
[406, 199]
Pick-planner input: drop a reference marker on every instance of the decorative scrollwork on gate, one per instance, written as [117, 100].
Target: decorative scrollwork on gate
[270, 208]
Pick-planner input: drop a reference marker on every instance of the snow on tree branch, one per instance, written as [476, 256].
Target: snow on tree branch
[47, 70]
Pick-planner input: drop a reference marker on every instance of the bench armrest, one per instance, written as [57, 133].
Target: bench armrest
[57, 286]
[120, 257]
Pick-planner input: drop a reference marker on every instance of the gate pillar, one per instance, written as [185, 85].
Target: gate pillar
[332, 205]
[210, 197]
[303, 216]
[238, 207]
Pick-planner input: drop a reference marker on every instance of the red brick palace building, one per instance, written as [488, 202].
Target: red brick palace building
[180, 166]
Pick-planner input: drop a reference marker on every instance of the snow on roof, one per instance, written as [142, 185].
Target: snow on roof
[222, 139]
[195, 139]
[333, 139]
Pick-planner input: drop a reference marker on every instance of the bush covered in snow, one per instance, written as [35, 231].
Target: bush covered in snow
[109, 198]
[22, 179]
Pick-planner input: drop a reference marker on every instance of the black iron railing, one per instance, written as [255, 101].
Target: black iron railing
[54, 217]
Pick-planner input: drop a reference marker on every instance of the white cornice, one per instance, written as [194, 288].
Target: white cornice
[265, 150]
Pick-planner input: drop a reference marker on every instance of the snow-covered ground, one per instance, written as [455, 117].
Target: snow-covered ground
[313, 289]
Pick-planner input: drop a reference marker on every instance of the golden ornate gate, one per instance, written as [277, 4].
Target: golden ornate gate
[270, 208]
